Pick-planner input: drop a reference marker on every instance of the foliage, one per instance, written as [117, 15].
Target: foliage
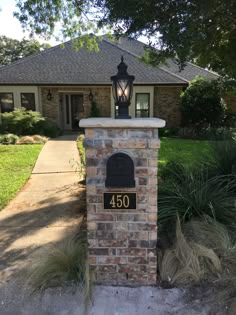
[16, 163]
[32, 140]
[77, 20]
[62, 264]
[81, 149]
[191, 193]
[8, 139]
[95, 112]
[222, 161]
[202, 105]
[187, 30]
[209, 233]
[188, 261]
[12, 49]
[168, 132]
[23, 122]
[80, 165]
[216, 134]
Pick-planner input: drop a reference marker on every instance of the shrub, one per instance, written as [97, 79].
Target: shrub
[187, 261]
[95, 112]
[25, 140]
[216, 134]
[168, 132]
[223, 158]
[22, 122]
[60, 265]
[47, 128]
[202, 104]
[191, 193]
[8, 139]
[39, 139]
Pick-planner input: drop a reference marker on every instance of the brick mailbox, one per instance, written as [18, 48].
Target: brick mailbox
[121, 167]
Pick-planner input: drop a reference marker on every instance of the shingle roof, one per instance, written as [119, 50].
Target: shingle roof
[66, 66]
[188, 73]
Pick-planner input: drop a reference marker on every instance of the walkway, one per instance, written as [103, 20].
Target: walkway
[45, 210]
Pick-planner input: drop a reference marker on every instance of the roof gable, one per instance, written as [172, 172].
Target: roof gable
[189, 72]
[66, 66]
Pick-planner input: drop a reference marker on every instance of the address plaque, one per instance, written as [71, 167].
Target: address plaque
[119, 200]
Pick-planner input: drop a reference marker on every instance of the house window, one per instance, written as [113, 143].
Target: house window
[142, 104]
[28, 101]
[6, 102]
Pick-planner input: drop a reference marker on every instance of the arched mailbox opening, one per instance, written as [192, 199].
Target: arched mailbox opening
[120, 171]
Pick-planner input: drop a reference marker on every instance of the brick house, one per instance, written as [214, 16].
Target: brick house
[60, 83]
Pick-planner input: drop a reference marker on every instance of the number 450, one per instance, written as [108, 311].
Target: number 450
[119, 201]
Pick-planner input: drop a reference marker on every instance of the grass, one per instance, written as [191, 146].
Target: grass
[16, 163]
[61, 264]
[189, 261]
[186, 151]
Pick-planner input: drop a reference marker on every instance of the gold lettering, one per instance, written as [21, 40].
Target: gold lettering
[112, 202]
[126, 201]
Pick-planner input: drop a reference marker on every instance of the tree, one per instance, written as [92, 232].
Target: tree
[202, 104]
[13, 49]
[199, 30]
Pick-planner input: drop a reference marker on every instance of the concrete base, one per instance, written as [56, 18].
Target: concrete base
[106, 301]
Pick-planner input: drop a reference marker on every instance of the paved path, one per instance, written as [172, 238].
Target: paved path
[46, 210]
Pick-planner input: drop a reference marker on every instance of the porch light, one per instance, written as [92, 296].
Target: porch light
[49, 96]
[122, 89]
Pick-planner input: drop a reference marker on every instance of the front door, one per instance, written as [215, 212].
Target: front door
[73, 107]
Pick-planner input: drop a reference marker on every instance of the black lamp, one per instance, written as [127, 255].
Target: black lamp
[49, 96]
[90, 96]
[122, 89]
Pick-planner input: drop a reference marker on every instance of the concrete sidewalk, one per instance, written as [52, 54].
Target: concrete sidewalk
[46, 209]
[57, 155]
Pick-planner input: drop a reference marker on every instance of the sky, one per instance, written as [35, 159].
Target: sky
[9, 25]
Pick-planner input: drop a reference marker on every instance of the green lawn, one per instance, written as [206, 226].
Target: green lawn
[182, 150]
[174, 149]
[16, 163]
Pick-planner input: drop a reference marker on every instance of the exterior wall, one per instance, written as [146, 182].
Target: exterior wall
[17, 90]
[164, 101]
[167, 104]
[230, 101]
[137, 89]
[54, 109]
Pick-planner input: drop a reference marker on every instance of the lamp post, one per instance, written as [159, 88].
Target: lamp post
[122, 89]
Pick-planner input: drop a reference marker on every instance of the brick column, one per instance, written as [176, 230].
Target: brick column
[122, 242]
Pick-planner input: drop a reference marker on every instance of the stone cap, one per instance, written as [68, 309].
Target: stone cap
[142, 123]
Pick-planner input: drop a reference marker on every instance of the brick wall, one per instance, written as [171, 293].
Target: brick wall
[230, 101]
[50, 109]
[167, 104]
[54, 110]
[122, 243]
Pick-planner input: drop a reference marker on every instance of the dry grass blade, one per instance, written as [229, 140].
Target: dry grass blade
[208, 232]
[62, 264]
[168, 265]
[188, 262]
[209, 261]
